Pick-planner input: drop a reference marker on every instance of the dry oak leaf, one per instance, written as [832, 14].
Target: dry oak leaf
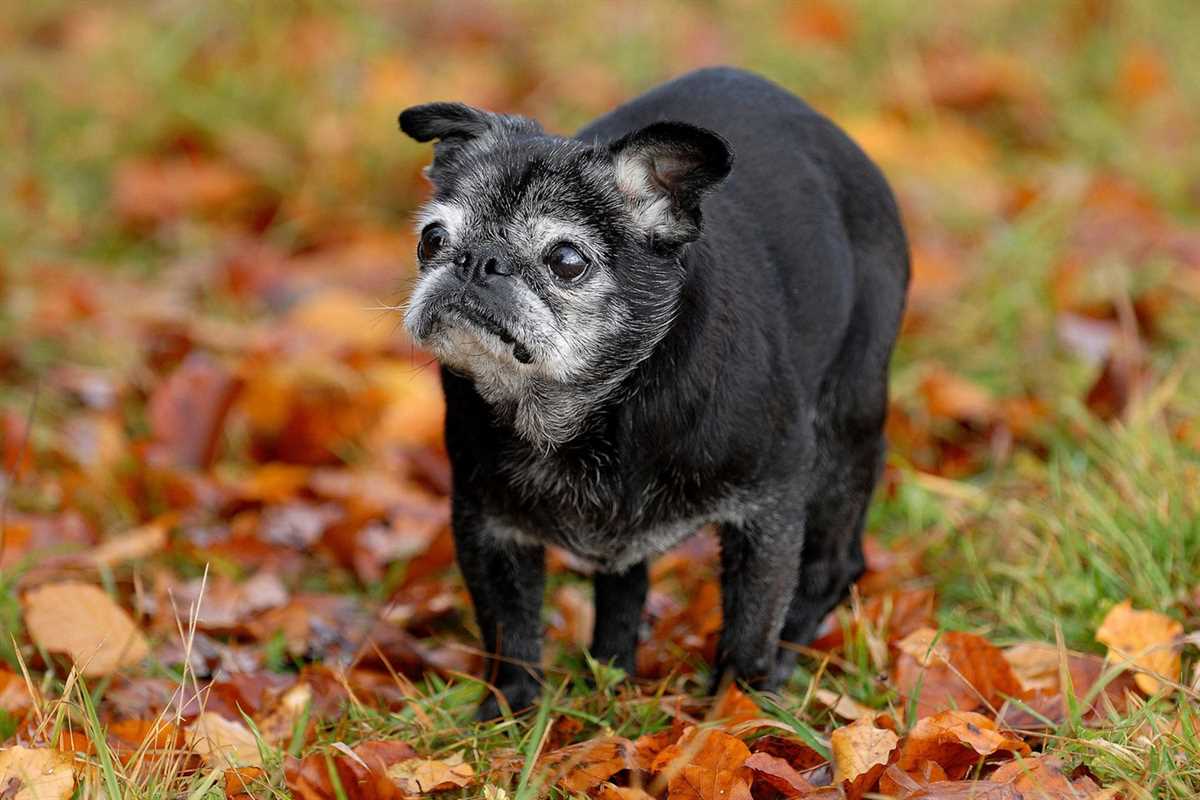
[36, 774]
[705, 764]
[952, 670]
[734, 706]
[358, 774]
[608, 791]
[1042, 778]
[1036, 665]
[581, 767]
[1148, 638]
[222, 742]
[16, 696]
[861, 751]
[426, 775]
[83, 622]
[778, 774]
[843, 705]
[245, 783]
[955, 740]
[278, 726]
[137, 543]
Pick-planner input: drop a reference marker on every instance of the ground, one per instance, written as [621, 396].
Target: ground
[223, 484]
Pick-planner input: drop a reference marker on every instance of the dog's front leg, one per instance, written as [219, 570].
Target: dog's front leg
[506, 581]
[620, 597]
[759, 571]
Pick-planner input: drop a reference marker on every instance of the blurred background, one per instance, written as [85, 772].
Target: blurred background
[205, 219]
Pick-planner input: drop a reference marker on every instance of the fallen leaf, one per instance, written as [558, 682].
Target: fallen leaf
[279, 726]
[83, 622]
[137, 543]
[1038, 778]
[427, 775]
[326, 776]
[951, 396]
[952, 670]
[795, 752]
[608, 791]
[17, 697]
[36, 774]
[581, 767]
[222, 742]
[1035, 664]
[778, 774]
[734, 706]
[843, 705]
[1148, 638]
[245, 783]
[187, 412]
[861, 751]
[955, 740]
[705, 764]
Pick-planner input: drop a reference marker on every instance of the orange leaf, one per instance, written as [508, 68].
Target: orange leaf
[734, 706]
[778, 774]
[581, 767]
[705, 764]
[1146, 637]
[187, 411]
[953, 670]
[955, 740]
[83, 622]
[428, 775]
[861, 751]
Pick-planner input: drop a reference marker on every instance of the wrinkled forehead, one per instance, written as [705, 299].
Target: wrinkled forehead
[525, 185]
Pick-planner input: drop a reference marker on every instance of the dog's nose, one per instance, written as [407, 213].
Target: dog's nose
[478, 266]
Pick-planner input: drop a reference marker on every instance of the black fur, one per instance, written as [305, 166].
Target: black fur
[747, 385]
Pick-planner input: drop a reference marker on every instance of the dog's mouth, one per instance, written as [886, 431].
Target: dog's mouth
[479, 318]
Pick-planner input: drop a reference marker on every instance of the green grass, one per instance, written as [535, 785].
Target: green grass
[1036, 546]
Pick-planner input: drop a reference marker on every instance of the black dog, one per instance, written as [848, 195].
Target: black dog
[682, 315]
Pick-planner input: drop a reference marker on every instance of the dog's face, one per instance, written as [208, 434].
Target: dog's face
[549, 265]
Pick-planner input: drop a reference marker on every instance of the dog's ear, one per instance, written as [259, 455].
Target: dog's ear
[664, 170]
[454, 125]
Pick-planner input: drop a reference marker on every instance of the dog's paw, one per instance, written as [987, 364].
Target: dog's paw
[518, 696]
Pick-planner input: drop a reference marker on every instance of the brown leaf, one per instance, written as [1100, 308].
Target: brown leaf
[279, 726]
[245, 783]
[36, 774]
[705, 764]
[1146, 637]
[861, 751]
[581, 767]
[608, 791]
[1041, 778]
[794, 751]
[150, 190]
[778, 774]
[428, 775]
[734, 706]
[357, 778]
[137, 543]
[955, 740]
[951, 396]
[83, 622]
[961, 670]
[188, 410]
[17, 697]
[222, 742]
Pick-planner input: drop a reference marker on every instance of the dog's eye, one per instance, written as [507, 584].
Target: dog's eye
[433, 239]
[566, 262]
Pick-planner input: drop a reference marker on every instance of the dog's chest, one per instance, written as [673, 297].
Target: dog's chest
[606, 514]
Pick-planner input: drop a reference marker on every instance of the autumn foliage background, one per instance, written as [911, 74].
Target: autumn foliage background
[224, 493]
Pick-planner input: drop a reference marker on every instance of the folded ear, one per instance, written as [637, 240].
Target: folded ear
[664, 170]
[454, 125]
